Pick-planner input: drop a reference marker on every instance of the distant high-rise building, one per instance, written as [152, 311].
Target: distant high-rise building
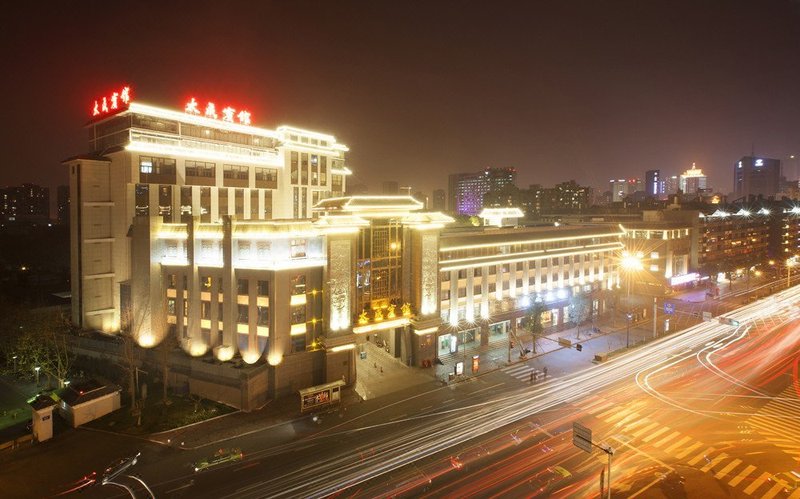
[62, 207]
[467, 189]
[390, 187]
[693, 180]
[27, 202]
[439, 200]
[654, 184]
[422, 198]
[756, 176]
[671, 184]
[622, 188]
[568, 197]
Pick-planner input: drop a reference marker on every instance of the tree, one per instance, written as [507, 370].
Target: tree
[533, 320]
[580, 310]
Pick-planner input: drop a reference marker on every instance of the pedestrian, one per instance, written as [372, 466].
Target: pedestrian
[381, 369]
[545, 371]
[531, 376]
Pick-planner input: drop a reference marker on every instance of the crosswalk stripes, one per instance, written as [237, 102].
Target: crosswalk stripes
[666, 439]
[710, 465]
[727, 469]
[647, 428]
[685, 452]
[742, 475]
[722, 466]
[696, 459]
[756, 483]
[656, 433]
[773, 491]
[523, 372]
[677, 444]
[772, 423]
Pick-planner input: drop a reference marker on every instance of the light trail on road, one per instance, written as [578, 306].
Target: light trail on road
[393, 450]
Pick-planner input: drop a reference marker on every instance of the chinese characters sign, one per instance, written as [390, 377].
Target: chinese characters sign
[228, 113]
[112, 103]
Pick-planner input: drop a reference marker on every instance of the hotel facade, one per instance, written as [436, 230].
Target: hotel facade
[238, 243]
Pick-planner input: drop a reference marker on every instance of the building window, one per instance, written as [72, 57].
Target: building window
[262, 249]
[299, 314]
[263, 316]
[205, 283]
[298, 285]
[242, 286]
[243, 315]
[156, 166]
[476, 271]
[244, 250]
[263, 288]
[172, 281]
[205, 310]
[267, 174]
[445, 294]
[298, 248]
[235, 172]
[295, 169]
[170, 306]
[304, 169]
[200, 169]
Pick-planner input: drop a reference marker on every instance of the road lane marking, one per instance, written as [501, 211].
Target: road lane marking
[645, 429]
[727, 469]
[756, 483]
[596, 405]
[688, 450]
[741, 476]
[677, 444]
[713, 462]
[696, 459]
[666, 439]
[655, 434]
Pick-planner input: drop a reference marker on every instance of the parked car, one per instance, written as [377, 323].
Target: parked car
[222, 456]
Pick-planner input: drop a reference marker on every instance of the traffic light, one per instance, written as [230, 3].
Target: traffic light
[579, 347]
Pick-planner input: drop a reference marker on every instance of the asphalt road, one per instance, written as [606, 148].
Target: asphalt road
[692, 412]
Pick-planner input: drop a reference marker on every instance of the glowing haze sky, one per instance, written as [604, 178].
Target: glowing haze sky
[561, 89]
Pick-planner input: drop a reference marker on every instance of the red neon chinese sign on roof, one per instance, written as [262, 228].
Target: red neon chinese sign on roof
[229, 114]
[117, 101]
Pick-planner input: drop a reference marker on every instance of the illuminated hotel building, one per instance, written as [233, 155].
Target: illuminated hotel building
[145, 160]
[237, 242]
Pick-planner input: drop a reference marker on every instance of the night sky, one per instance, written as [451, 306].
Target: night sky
[561, 89]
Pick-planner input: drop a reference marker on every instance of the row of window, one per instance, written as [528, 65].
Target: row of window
[297, 284]
[308, 169]
[506, 285]
[519, 266]
[510, 249]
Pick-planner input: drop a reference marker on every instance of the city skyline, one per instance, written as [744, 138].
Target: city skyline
[505, 91]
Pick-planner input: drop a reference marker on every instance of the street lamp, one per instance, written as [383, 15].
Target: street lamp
[790, 262]
[36, 369]
[630, 263]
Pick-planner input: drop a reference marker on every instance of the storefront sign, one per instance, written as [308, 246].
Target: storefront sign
[228, 113]
[459, 368]
[113, 103]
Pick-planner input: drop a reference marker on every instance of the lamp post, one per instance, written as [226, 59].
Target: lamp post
[630, 263]
[37, 369]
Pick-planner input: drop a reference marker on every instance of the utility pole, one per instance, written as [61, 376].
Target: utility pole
[655, 317]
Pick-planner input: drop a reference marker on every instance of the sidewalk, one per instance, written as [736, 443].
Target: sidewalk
[611, 333]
